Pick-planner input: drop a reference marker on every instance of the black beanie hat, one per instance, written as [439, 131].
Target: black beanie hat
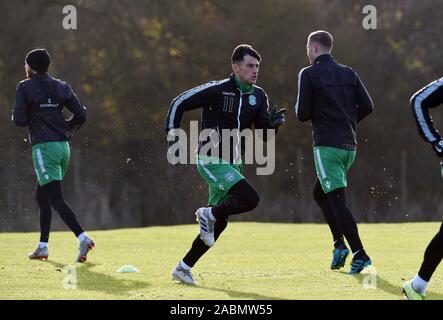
[38, 60]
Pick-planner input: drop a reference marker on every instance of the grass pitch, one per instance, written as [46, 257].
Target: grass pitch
[250, 261]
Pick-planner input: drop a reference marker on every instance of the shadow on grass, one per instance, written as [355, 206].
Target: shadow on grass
[388, 287]
[100, 282]
[240, 294]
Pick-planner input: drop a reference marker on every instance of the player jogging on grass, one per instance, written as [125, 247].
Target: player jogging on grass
[235, 103]
[334, 99]
[428, 97]
[40, 100]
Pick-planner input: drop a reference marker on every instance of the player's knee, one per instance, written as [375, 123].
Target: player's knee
[318, 194]
[245, 196]
[39, 197]
[59, 205]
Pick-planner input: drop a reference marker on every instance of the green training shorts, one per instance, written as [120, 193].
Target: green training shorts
[220, 175]
[332, 166]
[51, 161]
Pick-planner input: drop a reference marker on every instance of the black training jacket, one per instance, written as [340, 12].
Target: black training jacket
[429, 97]
[224, 106]
[39, 104]
[334, 99]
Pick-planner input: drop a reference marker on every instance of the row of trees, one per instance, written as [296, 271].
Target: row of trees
[128, 59]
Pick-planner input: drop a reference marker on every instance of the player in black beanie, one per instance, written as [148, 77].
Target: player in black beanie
[39, 105]
[38, 60]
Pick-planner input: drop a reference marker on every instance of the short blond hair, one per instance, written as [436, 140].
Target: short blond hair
[323, 38]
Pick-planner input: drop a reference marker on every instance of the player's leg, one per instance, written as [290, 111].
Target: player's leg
[416, 288]
[340, 252]
[54, 193]
[332, 165]
[322, 200]
[227, 200]
[242, 198]
[338, 202]
[182, 272]
[40, 166]
[433, 256]
[54, 157]
[45, 225]
[199, 248]
[45, 214]
[233, 204]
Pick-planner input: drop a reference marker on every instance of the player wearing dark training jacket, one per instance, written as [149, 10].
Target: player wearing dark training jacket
[40, 100]
[235, 103]
[429, 97]
[333, 98]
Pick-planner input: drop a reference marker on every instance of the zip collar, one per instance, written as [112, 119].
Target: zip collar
[241, 87]
[40, 75]
[324, 58]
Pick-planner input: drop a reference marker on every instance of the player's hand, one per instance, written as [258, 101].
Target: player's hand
[72, 129]
[277, 117]
[438, 147]
[69, 134]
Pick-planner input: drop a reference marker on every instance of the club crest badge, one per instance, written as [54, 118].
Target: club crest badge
[252, 100]
[230, 177]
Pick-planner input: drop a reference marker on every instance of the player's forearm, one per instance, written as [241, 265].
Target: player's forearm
[303, 113]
